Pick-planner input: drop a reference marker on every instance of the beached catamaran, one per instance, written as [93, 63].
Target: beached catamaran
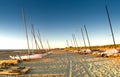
[83, 37]
[30, 55]
[86, 50]
[40, 40]
[75, 43]
[110, 52]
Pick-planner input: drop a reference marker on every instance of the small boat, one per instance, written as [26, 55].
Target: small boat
[26, 57]
[110, 52]
[32, 56]
[29, 55]
[84, 51]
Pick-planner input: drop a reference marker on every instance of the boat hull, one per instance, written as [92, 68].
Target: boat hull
[33, 56]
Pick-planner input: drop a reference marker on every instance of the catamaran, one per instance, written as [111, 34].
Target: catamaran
[114, 51]
[86, 50]
[29, 55]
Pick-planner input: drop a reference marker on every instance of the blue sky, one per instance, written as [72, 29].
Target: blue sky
[57, 20]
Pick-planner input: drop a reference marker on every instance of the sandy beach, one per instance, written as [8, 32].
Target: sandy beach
[64, 64]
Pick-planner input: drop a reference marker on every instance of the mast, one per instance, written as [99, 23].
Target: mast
[32, 39]
[73, 40]
[87, 36]
[72, 43]
[25, 28]
[48, 45]
[39, 37]
[67, 43]
[110, 27]
[33, 32]
[83, 37]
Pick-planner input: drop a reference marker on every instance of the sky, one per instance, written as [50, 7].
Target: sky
[57, 20]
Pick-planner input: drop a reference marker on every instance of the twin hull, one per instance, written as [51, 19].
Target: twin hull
[33, 56]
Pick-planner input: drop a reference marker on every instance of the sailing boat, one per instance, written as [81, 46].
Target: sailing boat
[83, 50]
[29, 55]
[114, 51]
[75, 44]
[49, 48]
[87, 50]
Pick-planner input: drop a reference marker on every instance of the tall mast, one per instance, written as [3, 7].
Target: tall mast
[67, 43]
[72, 43]
[87, 36]
[25, 28]
[39, 37]
[48, 45]
[31, 39]
[110, 27]
[74, 40]
[33, 32]
[83, 37]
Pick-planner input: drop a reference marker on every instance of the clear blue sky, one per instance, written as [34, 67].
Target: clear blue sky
[57, 20]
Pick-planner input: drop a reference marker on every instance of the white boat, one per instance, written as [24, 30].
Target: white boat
[25, 57]
[33, 56]
[86, 51]
[109, 52]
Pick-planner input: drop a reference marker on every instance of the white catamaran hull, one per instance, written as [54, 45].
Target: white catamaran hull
[110, 52]
[33, 56]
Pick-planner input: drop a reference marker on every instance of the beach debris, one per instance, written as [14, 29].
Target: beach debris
[14, 70]
[6, 63]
